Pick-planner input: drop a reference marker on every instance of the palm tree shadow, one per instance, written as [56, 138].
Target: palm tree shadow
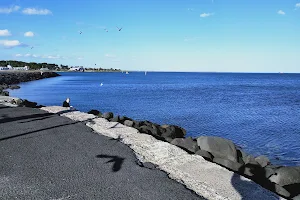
[258, 176]
[118, 161]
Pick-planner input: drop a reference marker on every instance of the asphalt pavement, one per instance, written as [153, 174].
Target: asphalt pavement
[46, 156]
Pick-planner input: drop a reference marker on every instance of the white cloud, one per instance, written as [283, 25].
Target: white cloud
[9, 10]
[80, 58]
[206, 14]
[280, 12]
[34, 11]
[10, 43]
[4, 32]
[29, 34]
[110, 56]
[297, 6]
[18, 55]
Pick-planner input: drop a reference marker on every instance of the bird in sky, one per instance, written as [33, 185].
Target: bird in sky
[106, 30]
[80, 32]
[119, 29]
[31, 48]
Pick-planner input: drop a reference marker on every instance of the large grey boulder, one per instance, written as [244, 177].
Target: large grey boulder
[205, 154]
[115, 119]
[289, 178]
[187, 144]
[234, 166]
[218, 147]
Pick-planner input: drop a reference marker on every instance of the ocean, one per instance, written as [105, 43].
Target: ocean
[259, 112]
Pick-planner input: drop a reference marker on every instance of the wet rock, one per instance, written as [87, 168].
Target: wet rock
[4, 93]
[296, 197]
[205, 154]
[94, 112]
[108, 115]
[13, 87]
[187, 144]
[262, 160]
[234, 166]
[218, 147]
[29, 104]
[172, 131]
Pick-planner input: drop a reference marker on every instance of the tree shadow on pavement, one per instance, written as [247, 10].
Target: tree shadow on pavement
[31, 132]
[8, 119]
[244, 186]
[118, 161]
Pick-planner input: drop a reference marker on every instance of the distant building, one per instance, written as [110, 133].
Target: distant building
[44, 69]
[77, 69]
[6, 68]
[21, 68]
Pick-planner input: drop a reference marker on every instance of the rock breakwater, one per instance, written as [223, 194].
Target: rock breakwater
[9, 79]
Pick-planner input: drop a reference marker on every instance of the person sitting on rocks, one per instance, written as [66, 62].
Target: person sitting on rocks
[66, 103]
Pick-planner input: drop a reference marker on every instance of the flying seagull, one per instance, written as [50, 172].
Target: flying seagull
[80, 32]
[31, 48]
[106, 30]
[119, 29]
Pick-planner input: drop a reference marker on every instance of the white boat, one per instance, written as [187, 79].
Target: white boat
[145, 73]
[127, 73]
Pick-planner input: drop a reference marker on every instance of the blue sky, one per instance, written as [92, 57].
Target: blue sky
[189, 35]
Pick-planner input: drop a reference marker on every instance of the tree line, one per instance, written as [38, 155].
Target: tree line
[37, 66]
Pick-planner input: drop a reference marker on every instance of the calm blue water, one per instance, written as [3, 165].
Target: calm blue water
[259, 112]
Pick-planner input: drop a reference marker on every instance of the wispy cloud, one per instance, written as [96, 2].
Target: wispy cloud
[206, 14]
[297, 6]
[12, 43]
[280, 12]
[8, 10]
[188, 39]
[34, 11]
[40, 56]
[190, 9]
[29, 34]
[110, 56]
[4, 32]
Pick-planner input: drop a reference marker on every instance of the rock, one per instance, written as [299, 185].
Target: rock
[281, 191]
[255, 172]
[205, 154]
[172, 131]
[187, 144]
[108, 115]
[150, 131]
[270, 170]
[29, 104]
[128, 123]
[94, 112]
[296, 197]
[240, 155]
[289, 178]
[136, 124]
[218, 147]
[115, 119]
[124, 118]
[12, 87]
[249, 159]
[262, 160]
[4, 93]
[234, 166]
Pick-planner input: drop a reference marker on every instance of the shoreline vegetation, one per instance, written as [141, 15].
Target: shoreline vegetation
[52, 67]
[282, 180]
